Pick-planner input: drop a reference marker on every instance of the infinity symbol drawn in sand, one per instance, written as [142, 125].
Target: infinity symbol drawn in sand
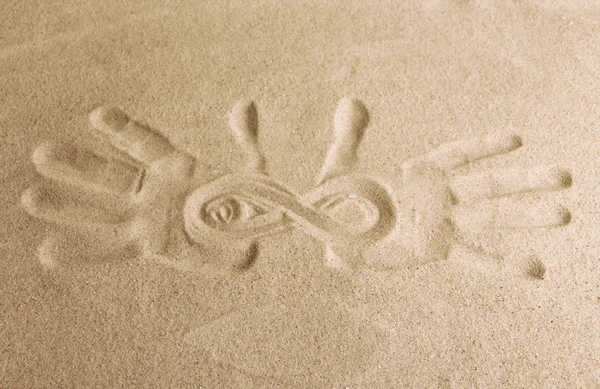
[249, 206]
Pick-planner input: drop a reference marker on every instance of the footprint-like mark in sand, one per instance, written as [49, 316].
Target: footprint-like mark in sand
[161, 199]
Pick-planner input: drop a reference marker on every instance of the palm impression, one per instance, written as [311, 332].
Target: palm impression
[160, 200]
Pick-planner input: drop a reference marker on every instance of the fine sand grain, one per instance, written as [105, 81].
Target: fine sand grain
[300, 195]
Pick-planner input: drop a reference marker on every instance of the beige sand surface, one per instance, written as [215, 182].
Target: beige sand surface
[487, 308]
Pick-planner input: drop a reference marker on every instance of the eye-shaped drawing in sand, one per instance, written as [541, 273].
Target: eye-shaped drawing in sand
[160, 199]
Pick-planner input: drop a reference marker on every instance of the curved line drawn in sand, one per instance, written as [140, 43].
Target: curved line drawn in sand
[162, 202]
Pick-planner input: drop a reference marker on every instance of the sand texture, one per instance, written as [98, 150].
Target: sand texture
[300, 195]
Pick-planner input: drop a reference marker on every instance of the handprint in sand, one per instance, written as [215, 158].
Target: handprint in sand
[438, 205]
[170, 208]
[131, 197]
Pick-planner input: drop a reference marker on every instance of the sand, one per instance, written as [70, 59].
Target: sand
[300, 195]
